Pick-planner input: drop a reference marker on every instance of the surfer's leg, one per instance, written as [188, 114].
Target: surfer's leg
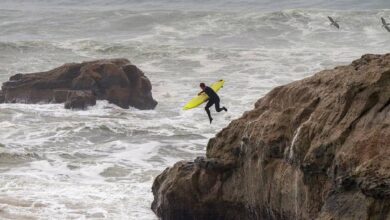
[207, 108]
[218, 109]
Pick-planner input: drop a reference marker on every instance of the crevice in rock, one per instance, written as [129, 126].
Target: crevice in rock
[385, 105]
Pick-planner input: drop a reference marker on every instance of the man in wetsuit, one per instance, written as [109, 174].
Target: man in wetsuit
[213, 99]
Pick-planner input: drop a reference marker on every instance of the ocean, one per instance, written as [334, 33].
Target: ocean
[101, 163]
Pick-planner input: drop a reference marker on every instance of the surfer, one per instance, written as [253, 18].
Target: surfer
[213, 99]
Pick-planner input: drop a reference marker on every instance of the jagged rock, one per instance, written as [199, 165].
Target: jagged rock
[317, 148]
[115, 80]
[80, 100]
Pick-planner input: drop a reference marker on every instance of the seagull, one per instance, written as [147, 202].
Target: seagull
[385, 24]
[333, 22]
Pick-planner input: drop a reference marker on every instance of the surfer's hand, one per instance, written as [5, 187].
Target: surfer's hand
[200, 92]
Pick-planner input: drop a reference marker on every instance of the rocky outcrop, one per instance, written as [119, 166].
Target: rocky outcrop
[80, 84]
[317, 148]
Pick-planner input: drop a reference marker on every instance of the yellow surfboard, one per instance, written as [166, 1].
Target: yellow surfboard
[198, 100]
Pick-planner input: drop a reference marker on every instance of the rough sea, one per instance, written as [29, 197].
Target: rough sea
[100, 163]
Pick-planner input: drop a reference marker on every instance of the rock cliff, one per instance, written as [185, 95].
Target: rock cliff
[80, 84]
[317, 148]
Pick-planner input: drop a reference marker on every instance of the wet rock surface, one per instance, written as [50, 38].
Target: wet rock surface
[80, 100]
[115, 80]
[2, 98]
[317, 148]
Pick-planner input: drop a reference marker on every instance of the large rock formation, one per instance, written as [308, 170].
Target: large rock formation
[318, 148]
[115, 80]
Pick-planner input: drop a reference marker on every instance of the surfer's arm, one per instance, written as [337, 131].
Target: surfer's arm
[200, 92]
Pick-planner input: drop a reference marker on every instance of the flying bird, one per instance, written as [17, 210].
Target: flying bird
[385, 24]
[333, 22]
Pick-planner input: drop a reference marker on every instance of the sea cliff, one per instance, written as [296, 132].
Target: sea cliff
[317, 148]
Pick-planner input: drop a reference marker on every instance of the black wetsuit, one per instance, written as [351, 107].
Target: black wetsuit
[213, 99]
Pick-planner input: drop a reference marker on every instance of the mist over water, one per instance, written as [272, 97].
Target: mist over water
[100, 163]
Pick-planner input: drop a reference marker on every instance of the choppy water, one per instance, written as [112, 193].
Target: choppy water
[100, 163]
